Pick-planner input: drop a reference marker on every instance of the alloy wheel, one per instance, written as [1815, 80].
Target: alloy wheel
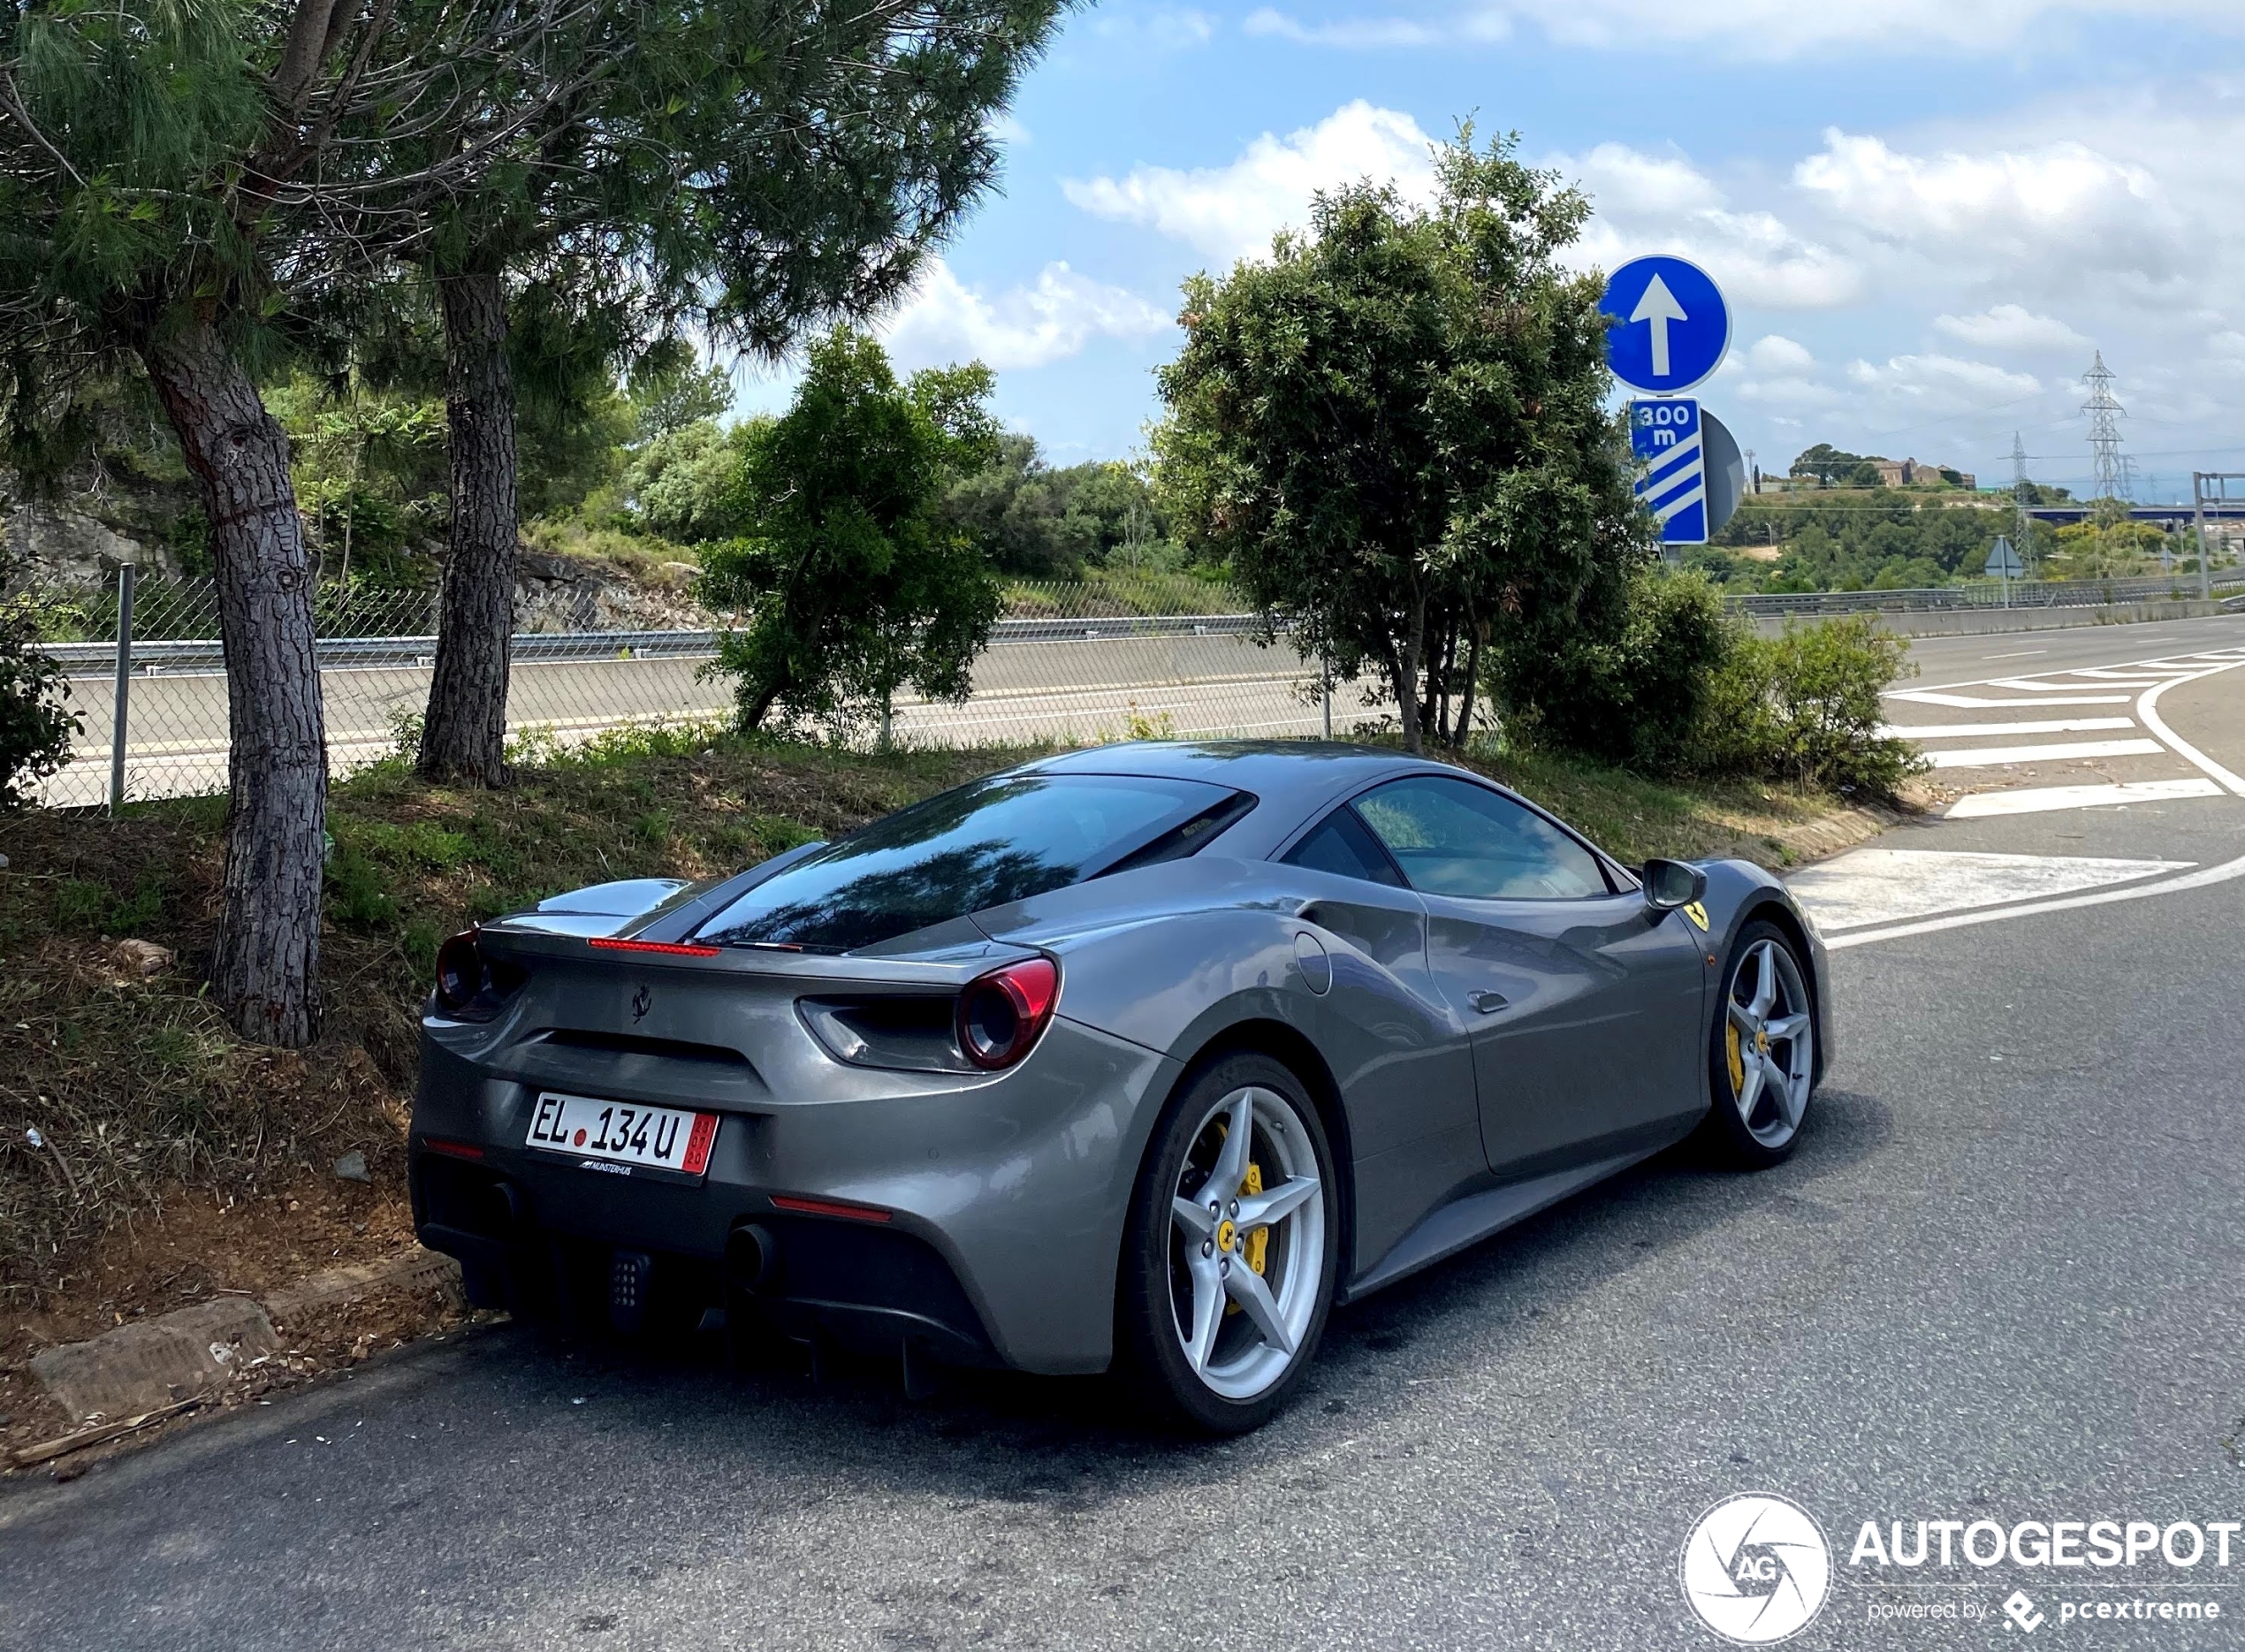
[1770, 1042]
[1246, 1242]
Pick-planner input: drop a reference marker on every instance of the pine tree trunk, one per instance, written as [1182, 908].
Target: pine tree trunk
[1414, 649]
[264, 970]
[464, 736]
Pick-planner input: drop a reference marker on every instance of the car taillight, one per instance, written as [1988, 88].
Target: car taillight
[470, 983]
[460, 972]
[1001, 1014]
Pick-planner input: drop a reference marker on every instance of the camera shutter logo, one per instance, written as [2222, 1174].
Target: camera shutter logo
[1756, 1569]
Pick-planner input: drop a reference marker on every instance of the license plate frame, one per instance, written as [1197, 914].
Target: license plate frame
[633, 1139]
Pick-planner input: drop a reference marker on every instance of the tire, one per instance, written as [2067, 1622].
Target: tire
[1219, 1369]
[1762, 1088]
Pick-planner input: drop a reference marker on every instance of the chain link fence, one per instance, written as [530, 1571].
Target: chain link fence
[1110, 660]
[1068, 664]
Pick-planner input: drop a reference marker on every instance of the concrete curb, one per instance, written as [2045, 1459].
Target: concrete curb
[192, 1351]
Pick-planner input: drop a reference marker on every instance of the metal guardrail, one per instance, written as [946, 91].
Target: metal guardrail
[347, 653]
[2020, 593]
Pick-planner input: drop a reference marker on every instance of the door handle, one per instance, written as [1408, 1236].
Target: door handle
[1487, 1003]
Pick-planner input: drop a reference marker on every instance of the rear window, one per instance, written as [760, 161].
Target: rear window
[995, 841]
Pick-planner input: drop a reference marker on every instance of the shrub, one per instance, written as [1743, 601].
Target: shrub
[1804, 706]
[36, 726]
[1634, 698]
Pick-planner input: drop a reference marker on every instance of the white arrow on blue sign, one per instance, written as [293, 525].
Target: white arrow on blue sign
[1670, 327]
[1668, 440]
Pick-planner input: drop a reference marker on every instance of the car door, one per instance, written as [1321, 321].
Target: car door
[1584, 1005]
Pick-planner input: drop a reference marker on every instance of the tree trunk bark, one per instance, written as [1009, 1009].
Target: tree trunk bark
[264, 970]
[1414, 649]
[1473, 688]
[464, 735]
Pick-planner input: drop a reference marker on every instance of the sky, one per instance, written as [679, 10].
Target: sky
[1926, 215]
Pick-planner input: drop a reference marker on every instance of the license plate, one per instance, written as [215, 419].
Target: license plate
[618, 1137]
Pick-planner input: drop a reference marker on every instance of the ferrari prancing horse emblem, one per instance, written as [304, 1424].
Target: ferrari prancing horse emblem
[642, 1002]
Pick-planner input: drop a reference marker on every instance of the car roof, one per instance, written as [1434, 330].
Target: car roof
[1290, 779]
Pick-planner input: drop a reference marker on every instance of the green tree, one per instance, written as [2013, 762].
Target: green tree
[1393, 430]
[35, 721]
[1039, 521]
[1836, 469]
[852, 584]
[147, 153]
[743, 171]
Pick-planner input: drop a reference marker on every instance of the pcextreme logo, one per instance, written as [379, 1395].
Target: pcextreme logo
[1756, 1569]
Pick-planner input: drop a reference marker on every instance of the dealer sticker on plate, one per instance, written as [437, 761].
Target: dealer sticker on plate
[620, 1137]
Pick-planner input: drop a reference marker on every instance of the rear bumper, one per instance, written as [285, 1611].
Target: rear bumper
[1004, 1199]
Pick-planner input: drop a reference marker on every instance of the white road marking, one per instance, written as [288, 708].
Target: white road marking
[1869, 886]
[2148, 708]
[2031, 686]
[1928, 697]
[2158, 670]
[2022, 654]
[2043, 799]
[2205, 878]
[1958, 730]
[1992, 756]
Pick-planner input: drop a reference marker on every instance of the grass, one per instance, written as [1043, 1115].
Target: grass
[141, 1095]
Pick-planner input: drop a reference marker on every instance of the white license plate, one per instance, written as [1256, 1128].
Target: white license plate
[623, 1133]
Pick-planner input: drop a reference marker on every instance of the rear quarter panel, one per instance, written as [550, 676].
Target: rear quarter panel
[1183, 958]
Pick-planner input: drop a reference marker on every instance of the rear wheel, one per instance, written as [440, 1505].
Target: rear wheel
[1231, 1249]
[1762, 1052]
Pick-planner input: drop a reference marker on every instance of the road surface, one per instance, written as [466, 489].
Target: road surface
[1999, 1282]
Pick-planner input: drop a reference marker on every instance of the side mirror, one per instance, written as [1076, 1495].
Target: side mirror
[1671, 884]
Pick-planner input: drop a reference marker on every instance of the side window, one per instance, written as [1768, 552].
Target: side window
[1339, 844]
[1451, 837]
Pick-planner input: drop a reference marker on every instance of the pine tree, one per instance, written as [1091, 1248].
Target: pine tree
[738, 174]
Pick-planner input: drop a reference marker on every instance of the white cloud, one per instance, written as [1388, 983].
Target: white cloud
[944, 320]
[1372, 32]
[1648, 203]
[1159, 27]
[1774, 353]
[1782, 28]
[2001, 208]
[2011, 327]
[1231, 212]
[1934, 384]
[1759, 28]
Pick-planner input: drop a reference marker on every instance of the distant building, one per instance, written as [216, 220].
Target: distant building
[1902, 473]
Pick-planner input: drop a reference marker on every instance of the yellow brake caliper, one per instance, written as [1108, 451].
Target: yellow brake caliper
[1738, 1063]
[1253, 1247]
[1259, 1242]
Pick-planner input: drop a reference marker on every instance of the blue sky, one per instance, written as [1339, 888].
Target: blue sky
[1925, 213]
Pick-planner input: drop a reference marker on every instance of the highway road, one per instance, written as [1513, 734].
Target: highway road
[1083, 688]
[2000, 1282]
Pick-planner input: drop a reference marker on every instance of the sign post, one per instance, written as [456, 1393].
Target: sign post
[1670, 327]
[1669, 441]
[2003, 562]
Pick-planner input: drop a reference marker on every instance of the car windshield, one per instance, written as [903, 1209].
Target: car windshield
[995, 841]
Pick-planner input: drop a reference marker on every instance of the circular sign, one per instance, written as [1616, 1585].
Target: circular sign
[1756, 1569]
[1670, 327]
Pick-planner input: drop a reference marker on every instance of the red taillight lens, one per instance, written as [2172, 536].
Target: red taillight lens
[460, 972]
[1002, 1014]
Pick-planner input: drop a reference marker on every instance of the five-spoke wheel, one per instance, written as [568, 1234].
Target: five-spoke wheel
[1764, 1058]
[1230, 1274]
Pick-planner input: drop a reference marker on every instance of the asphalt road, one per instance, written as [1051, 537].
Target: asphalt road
[2000, 1279]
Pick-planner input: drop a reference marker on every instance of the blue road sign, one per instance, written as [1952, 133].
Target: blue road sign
[1670, 442]
[1670, 324]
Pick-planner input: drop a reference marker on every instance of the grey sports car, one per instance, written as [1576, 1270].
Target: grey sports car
[1142, 1056]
